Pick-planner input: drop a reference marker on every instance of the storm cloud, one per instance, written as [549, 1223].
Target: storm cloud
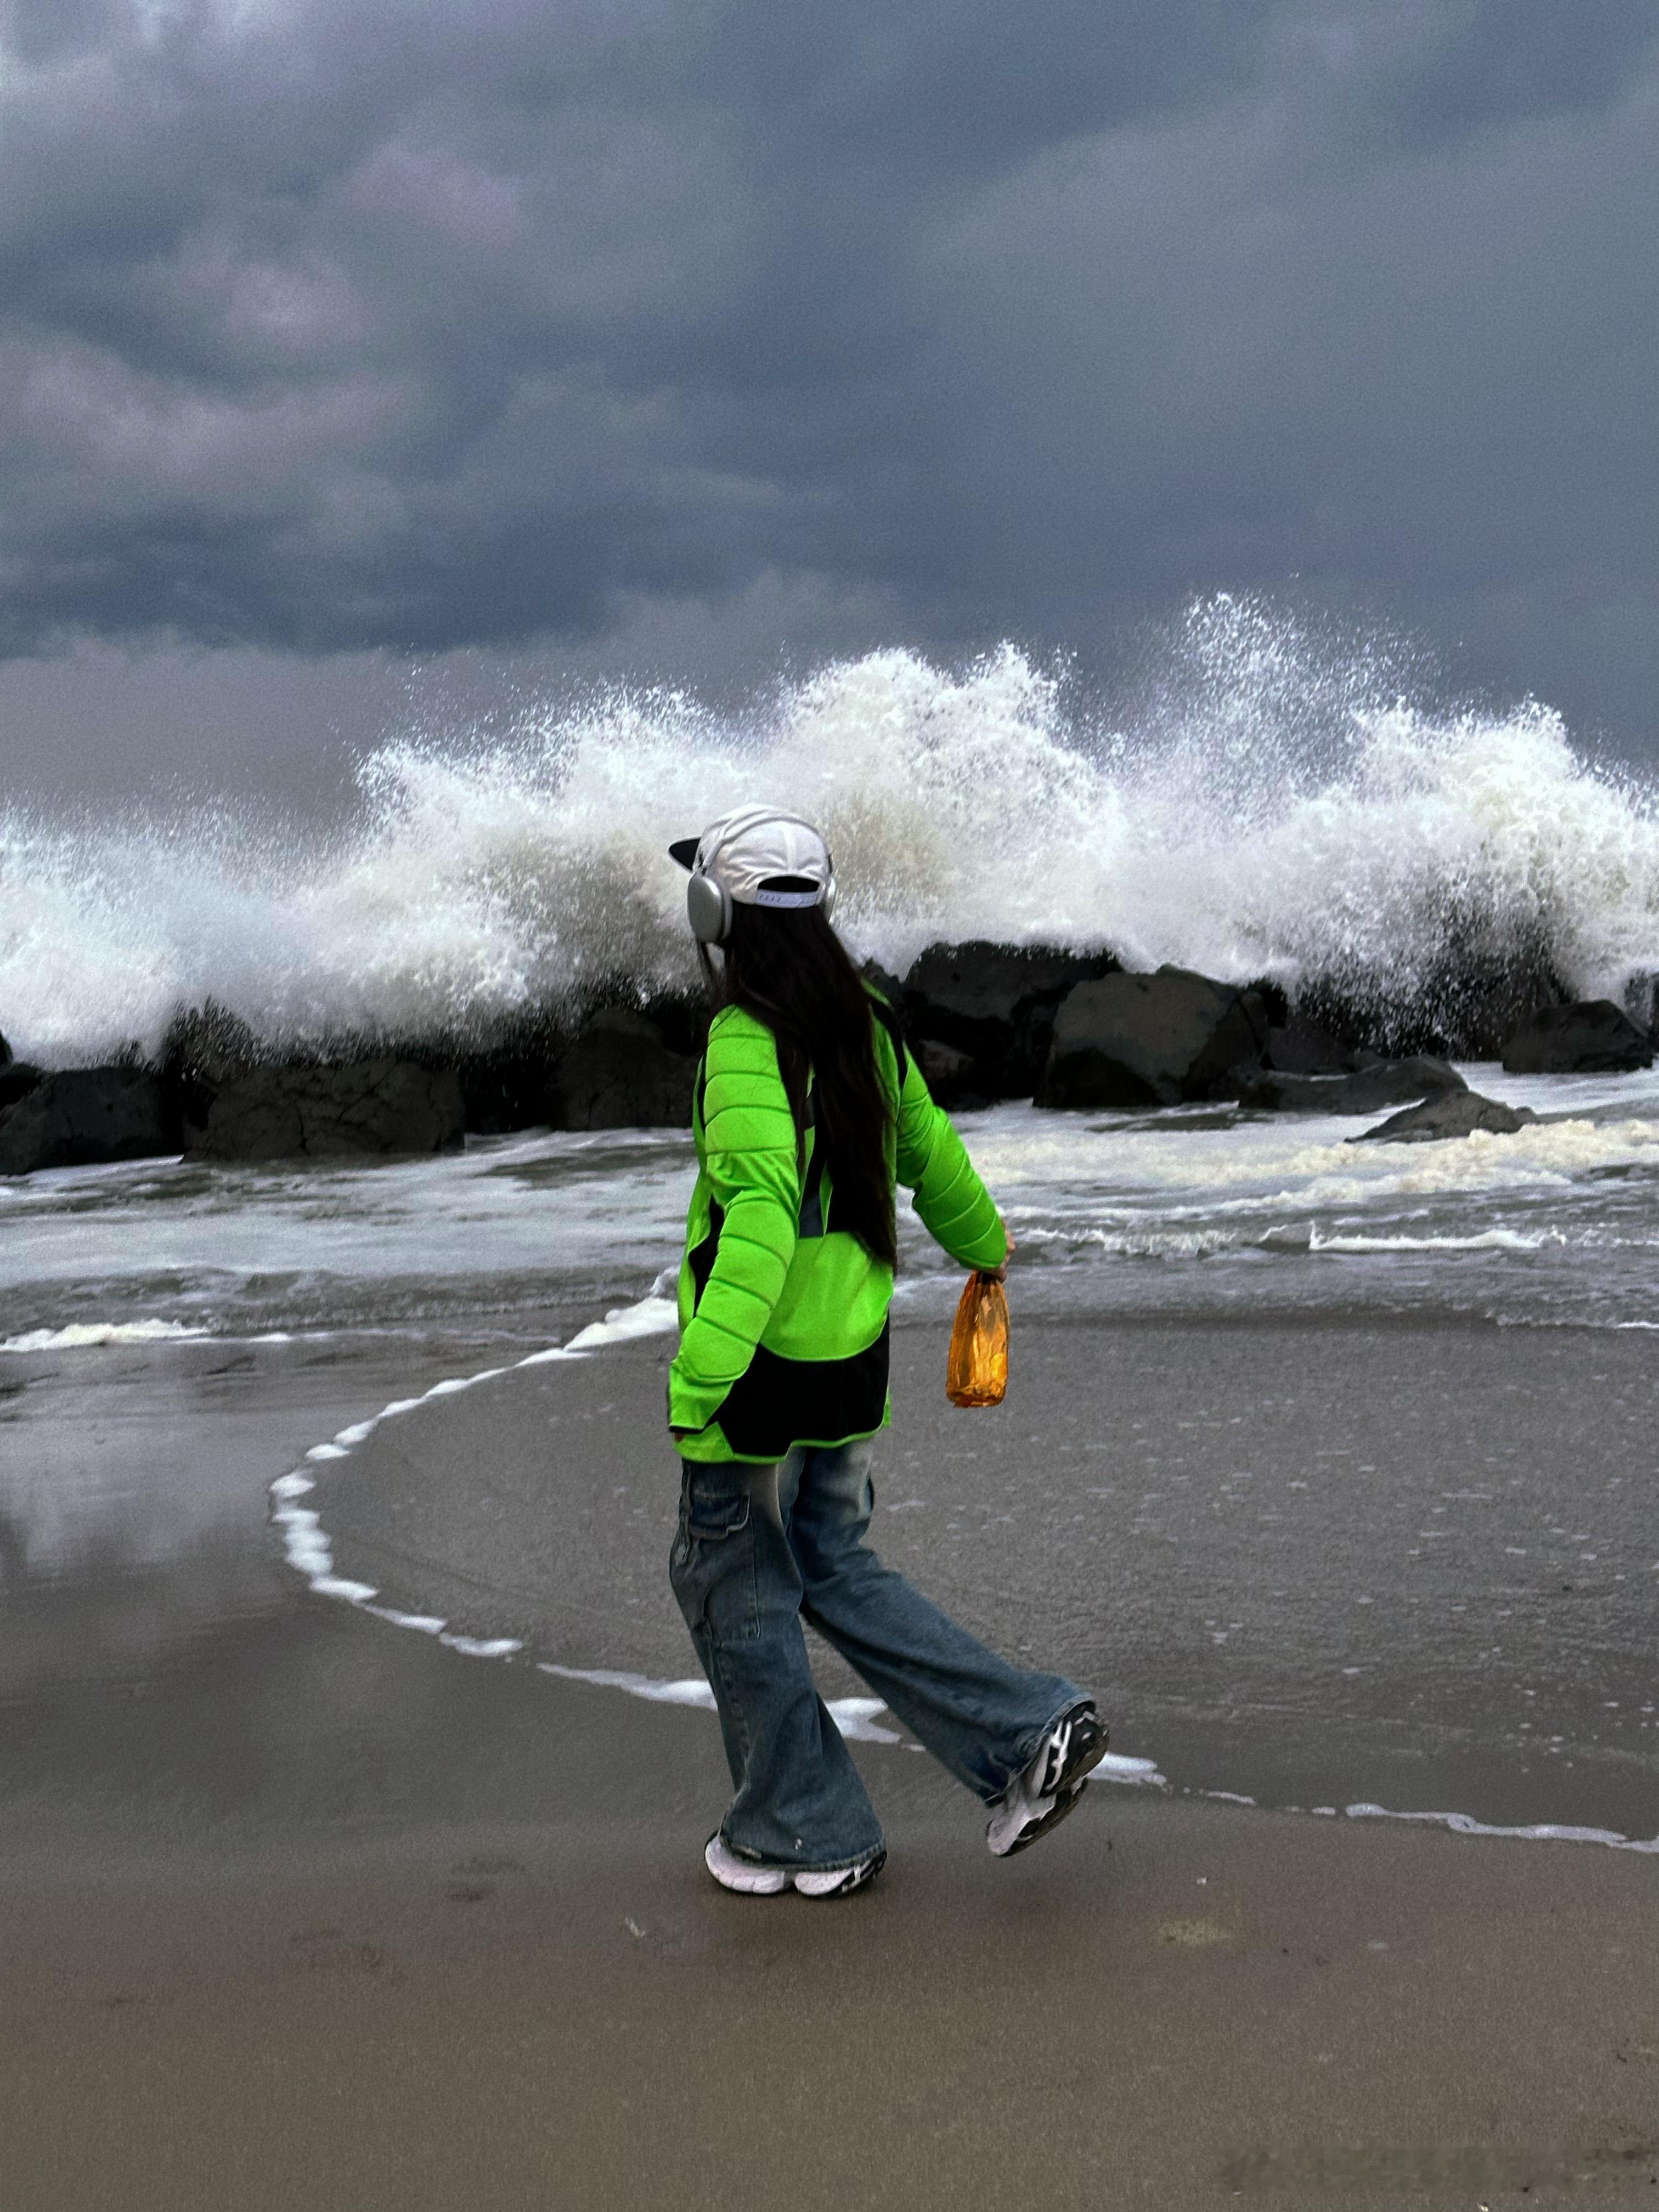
[419, 327]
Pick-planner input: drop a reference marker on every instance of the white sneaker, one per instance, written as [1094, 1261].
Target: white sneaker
[841, 1881]
[751, 1881]
[733, 1873]
[1039, 1799]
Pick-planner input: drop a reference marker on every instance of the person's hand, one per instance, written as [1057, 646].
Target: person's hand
[1000, 1274]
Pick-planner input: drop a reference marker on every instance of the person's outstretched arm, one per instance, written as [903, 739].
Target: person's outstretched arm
[956, 1208]
[751, 1161]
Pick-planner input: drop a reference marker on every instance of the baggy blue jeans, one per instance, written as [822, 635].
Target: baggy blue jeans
[759, 1549]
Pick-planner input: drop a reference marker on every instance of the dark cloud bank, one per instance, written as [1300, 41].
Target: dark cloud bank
[415, 326]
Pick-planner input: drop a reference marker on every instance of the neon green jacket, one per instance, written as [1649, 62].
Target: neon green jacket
[783, 1318]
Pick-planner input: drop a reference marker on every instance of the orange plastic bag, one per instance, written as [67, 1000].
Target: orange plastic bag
[977, 1374]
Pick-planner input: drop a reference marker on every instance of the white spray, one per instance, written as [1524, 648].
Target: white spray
[1266, 813]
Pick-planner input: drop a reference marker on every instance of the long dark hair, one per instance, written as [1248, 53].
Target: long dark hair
[787, 968]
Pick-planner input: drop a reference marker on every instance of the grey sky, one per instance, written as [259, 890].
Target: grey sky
[666, 337]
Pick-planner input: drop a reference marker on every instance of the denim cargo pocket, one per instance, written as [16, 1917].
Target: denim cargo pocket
[712, 1565]
[722, 1514]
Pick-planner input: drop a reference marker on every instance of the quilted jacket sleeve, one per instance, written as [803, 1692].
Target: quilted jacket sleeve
[749, 1158]
[956, 1208]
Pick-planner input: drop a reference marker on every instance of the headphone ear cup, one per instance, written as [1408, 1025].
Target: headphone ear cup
[827, 904]
[708, 910]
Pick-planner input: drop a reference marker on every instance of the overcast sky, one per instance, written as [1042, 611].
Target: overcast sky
[670, 337]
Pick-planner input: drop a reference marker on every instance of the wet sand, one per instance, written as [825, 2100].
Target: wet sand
[427, 1968]
[1414, 1565]
[302, 1909]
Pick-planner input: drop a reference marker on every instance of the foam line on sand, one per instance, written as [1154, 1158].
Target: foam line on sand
[308, 1552]
[304, 1540]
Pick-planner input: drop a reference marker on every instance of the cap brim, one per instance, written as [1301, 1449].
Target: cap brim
[684, 850]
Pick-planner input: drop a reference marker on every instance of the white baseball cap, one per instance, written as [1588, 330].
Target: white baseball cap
[746, 852]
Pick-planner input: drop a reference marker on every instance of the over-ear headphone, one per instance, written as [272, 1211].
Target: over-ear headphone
[708, 909]
[709, 903]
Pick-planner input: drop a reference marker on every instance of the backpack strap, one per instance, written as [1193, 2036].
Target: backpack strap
[890, 1021]
[811, 1195]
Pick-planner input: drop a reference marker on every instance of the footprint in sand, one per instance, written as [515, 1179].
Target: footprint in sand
[329, 1950]
[469, 1889]
[1194, 1935]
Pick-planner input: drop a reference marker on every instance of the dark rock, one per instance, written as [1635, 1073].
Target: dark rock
[949, 1075]
[1452, 1114]
[1301, 1046]
[5, 1051]
[503, 1090]
[368, 1109]
[681, 1018]
[206, 1047]
[210, 1044]
[1151, 1039]
[621, 1074]
[890, 985]
[1462, 1007]
[943, 1067]
[511, 1080]
[504, 1075]
[85, 1117]
[1388, 1082]
[1594, 1037]
[1275, 1005]
[1357, 1023]
[995, 1004]
[1482, 1002]
[17, 1079]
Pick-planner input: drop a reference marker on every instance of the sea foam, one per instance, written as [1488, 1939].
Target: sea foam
[87, 1335]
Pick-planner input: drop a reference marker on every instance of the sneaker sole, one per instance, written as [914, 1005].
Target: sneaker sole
[1063, 1804]
[772, 1881]
[754, 1881]
[855, 1877]
[1084, 1753]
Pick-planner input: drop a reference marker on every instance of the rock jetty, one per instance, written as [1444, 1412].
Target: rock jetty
[1591, 1037]
[83, 1117]
[370, 1109]
[1157, 1039]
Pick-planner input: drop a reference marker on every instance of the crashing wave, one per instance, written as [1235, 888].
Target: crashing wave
[1272, 811]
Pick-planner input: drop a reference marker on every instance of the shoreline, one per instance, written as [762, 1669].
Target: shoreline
[529, 1619]
[1202, 1727]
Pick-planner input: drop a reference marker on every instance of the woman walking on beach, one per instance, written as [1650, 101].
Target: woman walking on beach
[808, 1111]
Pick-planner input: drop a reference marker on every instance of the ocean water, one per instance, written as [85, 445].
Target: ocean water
[1187, 1213]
